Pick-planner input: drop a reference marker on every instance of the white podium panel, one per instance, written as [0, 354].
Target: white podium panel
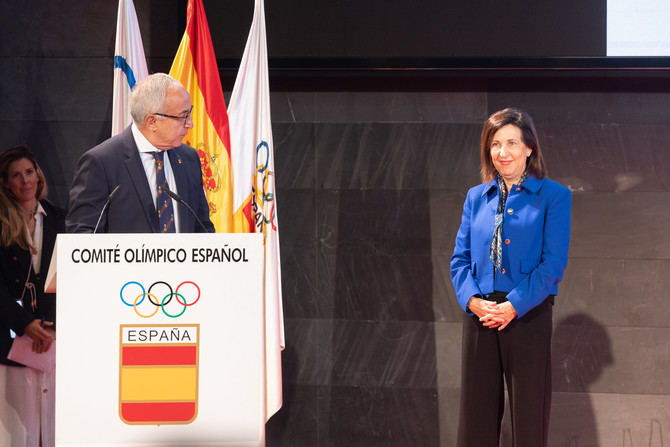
[160, 340]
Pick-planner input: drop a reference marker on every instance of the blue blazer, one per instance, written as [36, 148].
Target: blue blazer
[536, 236]
[116, 161]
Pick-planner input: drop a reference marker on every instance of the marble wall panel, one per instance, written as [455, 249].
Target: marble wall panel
[42, 89]
[370, 416]
[299, 208]
[301, 294]
[296, 424]
[587, 107]
[397, 156]
[449, 404]
[374, 222]
[588, 356]
[379, 287]
[384, 287]
[448, 339]
[379, 107]
[582, 349]
[446, 210]
[294, 107]
[361, 107]
[375, 261]
[445, 304]
[630, 225]
[616, 292]
[388, 354]
[573, 421]
[328, 288]
[609, 420]
[608, 157]
[308, 357]
[294, 156]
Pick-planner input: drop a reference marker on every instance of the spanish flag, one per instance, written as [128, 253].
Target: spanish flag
[158, 379]
[195, 67]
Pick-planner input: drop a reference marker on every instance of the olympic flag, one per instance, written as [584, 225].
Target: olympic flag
[130, 65]
[255, 202]
[195, 66]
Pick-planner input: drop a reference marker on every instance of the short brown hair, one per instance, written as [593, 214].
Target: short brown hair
[535, 163]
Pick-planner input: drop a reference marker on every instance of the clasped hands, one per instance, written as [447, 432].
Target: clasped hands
[41, 334]
[492, 314]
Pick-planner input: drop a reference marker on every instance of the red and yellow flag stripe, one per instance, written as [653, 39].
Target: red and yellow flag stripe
[195, 67]
[158, 383]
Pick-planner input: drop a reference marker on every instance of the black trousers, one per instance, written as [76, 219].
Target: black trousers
[521, 354]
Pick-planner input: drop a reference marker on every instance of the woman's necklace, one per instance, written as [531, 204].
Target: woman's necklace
[30, 221]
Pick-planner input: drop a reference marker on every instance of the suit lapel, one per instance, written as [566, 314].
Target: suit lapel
[138, 178]
[491, 194]
[49, 232]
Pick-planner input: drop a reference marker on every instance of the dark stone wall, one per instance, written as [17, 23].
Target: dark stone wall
[370, 188]
[373, 185]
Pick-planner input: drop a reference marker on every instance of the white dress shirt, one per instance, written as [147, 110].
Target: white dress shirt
[146, 150]
[35, 239]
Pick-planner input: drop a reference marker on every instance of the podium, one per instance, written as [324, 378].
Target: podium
[160, 340]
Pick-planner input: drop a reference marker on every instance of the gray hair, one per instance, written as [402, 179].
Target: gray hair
[148, 96]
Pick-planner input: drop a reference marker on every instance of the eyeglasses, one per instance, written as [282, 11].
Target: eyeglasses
[175, 117]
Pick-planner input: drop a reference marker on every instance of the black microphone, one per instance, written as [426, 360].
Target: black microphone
[107, 202]
[182, 202]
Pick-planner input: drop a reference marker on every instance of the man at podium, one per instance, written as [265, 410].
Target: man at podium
[143, 180]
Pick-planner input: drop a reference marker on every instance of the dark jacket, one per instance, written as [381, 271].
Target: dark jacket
[116, 162]
[14, 265]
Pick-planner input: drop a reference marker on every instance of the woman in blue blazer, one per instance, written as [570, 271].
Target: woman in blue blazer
[510, 254]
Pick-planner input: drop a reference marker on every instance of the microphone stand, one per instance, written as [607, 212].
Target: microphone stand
[188, 207]
[107, 202]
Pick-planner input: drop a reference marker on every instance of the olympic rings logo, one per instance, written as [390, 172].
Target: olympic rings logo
[152, 295]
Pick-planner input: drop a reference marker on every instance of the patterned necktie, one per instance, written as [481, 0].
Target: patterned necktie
[163, 201]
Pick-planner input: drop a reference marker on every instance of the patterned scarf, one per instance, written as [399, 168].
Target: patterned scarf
[496, 243]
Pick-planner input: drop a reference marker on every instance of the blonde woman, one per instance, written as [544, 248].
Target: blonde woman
[28, 228]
